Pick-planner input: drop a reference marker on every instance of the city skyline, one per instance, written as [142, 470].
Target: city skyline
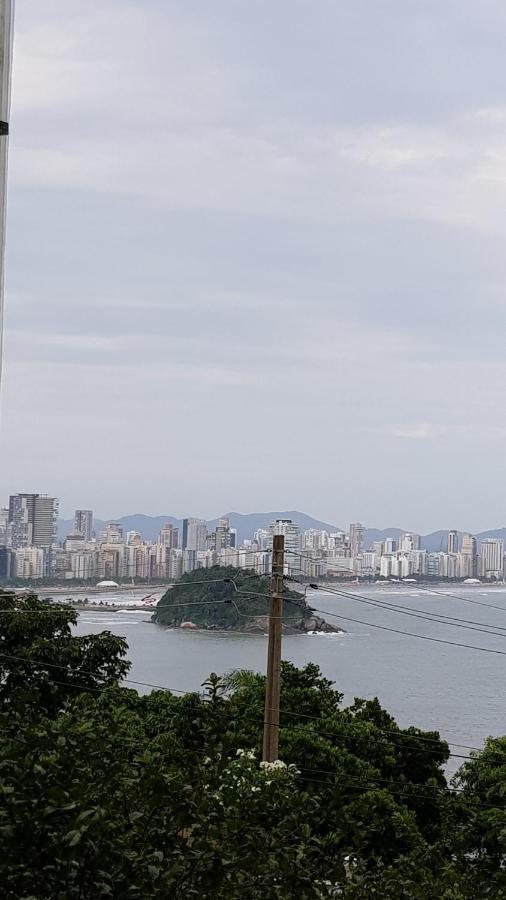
[338, 522]
[31, 549]
[313, 252]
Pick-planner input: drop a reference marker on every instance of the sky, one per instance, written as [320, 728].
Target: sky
[255, 259]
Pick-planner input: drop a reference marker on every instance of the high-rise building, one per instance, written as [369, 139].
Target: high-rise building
[169, 536]
[263, 538]
[453, 542]
[5, 563]
[5, 530]
[28, 562]
[492, 558]
[33, 519]
[83, 523]
[410, 541]
[468, 557]
[112, 534]
[356, 537]
[222, 535]
[292, 535]
[313, 539]
[390, 545]
[194, 534]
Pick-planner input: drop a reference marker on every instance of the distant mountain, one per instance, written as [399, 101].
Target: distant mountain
[437, 541]
[148, 526]
[499, 533]
[247, 523]
[376, 534]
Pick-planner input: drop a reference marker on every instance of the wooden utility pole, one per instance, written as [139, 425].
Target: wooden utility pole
[273, 683]
[6, 32]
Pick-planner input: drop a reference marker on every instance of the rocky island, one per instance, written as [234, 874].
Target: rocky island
[228, 599]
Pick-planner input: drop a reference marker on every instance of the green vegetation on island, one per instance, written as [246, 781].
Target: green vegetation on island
[226, 598]
[108, 794]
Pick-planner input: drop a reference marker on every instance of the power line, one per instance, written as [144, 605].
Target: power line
[325, 612]
[354, 785]
[416, 613]
[64, 607]
[327, 734]
[415, 737]
[368, 789]
[423, 637]
[430, 590]
[401, 584]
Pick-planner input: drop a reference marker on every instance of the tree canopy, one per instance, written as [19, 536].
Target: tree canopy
[224, 597]
[106, 793]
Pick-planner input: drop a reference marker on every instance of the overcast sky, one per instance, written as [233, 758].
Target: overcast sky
[256, 259]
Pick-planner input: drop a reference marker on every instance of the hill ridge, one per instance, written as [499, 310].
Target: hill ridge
[247, 523]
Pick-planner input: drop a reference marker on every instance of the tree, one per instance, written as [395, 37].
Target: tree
[105, 793]
[42, 663]
[224, 597]
[482, 781]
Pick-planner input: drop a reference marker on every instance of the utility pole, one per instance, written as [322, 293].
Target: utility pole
[6, 36]
[273, 683]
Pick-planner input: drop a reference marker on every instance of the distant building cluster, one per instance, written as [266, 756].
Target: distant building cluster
[29, 550]
[461, 557]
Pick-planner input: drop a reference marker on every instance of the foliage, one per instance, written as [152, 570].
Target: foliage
[228, 598]
[105, 793]
[42, 663]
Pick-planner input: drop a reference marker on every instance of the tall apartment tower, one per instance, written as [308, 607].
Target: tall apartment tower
[469, 556]
[194, 534]
[492, 558]
[169, 536]
[410, 541]
[222, 534]
[453, 542]
[33, 519]
[356, 537]
[83, 523]
[6, 35]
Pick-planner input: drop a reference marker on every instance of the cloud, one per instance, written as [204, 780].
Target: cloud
[220, 231]
[423, 431]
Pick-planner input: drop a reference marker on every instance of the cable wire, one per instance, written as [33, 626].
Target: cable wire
[59, 666]
[415, 613]
[423, 637]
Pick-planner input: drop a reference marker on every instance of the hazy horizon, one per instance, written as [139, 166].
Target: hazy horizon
[374, 526]
[255, 259]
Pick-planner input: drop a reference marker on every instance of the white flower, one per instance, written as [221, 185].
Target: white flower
[269, 766]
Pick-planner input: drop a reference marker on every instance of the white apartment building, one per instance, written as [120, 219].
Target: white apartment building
[315, 540]
[83, 565]
[338, 540]
[112, 534]
[293, 543]
[492, 558]
[28, 562]
[365, 563]
[263, 538]
[409, 541]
